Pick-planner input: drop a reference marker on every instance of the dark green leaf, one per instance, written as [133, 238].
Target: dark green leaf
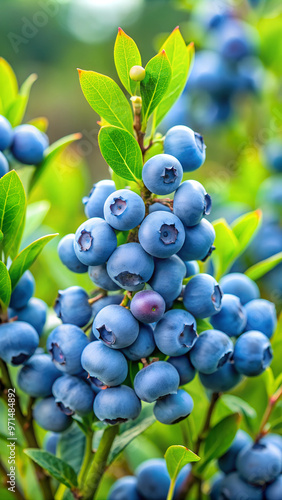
[71, 447]
[12, 212]
[35, 214]
[56, 467]
[5, 287]
[106, 98]
[236, 404]
[126, 55]
[18, 107]
[154, 85]
[51, 155]
[27, 256]
[122, 153]
[177, 457]
[261, 268]
[180, 58]
[8, 85]
[226, 245]
[245, 228]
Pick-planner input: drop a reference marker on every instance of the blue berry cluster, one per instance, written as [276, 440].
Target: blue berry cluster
[24, 144]
[250, 470]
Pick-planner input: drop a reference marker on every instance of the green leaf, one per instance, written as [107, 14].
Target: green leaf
[122, 153]
[130, 431]
[18, 107]
[12, 212]
[8, 85]
[226, 245]
[261, 268]
[219, 439]
[40, 122]
[120, 183]
[180, 58]
[177, 457]
[71, 447]
[203, 325]
[126, 55]
[106, 98]
[245, 228]
[27, 256]
[56, 467]
[51, 155]
[5, 287]
[154, 85]
[236, 404]
[35, 214]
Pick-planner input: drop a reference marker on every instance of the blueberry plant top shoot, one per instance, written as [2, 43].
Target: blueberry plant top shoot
[168, 332]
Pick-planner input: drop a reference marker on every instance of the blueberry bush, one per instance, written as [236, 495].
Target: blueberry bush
[167, 344]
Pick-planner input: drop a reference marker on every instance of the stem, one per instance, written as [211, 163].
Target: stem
[96, 298]
[99, 463]
[273, 400]
[126, 298]
[86, 459]
[171, 490]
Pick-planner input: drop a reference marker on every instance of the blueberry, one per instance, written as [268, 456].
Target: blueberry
[184, 367]
[202, 296]
[99, 276]
[73, 395]
[173, 408]
[130, 266]
[23, 291]
[18, 342]
[211, 351]
[147, 306]
[252, 353]
[28, 144]
[240, 285]
[273, 155]
[72, 306]
[162, 174]
[156, 207]
[153, 480]
[232, 318]
[155, 381]
[68, 256]
[187, 146]
[124, 488]
[237, 40]
[192, 268]
[107, 365]
[94, 202]
[106, 301]
[34, 313]
[211, 75]
[161, 234]
[274, 439]
[49, 416]
[6, 134]
[94, 242]
[168, 276]
[227, 462]
[176, 333]
[50, 442]
[222, 380]
[261, 315]
[191, 202]
[37, 376]
[273, 490]
[66, 344]
[4, 165]
[124, 210]
[143, 346]
[259, 463]
[117, 404]
[198, 243]
[234, 488]
[115, 326]
[216, 485]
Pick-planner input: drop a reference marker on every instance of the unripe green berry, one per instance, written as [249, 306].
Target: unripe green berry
[137, 73]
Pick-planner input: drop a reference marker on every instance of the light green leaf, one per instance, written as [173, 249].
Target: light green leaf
[261, 268]
[18, 107]
[8, 85]
[276, 342]
[177, 457]
[40, 122]
[56, 467]
[51, 154]
[245, 228]
[26, 258]
[106, 98]
[126, 55]
[154, 85]
[12, 212]
[180, 58]
[203, 325]
[121, 152]
[226, 245]
[71, 447]
[35, 214]
[5, 287]
[120, 183]
[236, 404]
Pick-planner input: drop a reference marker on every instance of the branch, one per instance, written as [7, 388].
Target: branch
[273, 400]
